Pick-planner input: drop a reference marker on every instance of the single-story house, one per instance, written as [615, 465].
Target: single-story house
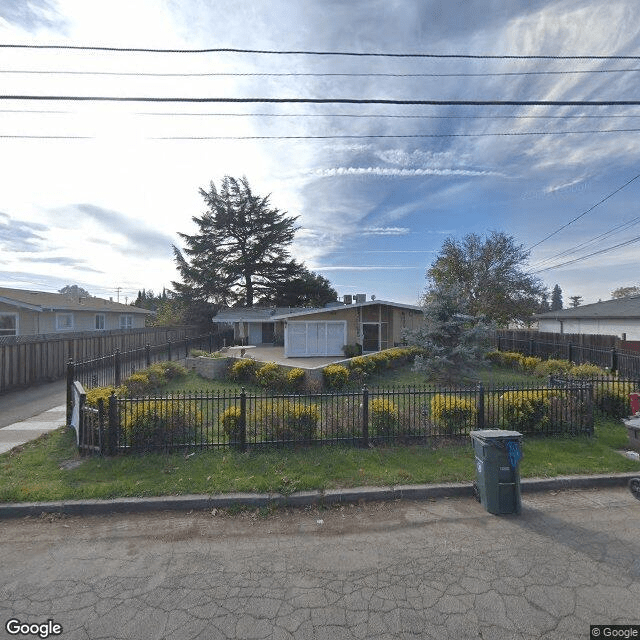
[374, 324]
[618, 317]
[29, 313]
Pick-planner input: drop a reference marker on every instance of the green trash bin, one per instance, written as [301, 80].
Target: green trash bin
[498, 454]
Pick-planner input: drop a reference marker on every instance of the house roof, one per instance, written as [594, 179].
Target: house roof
[253, 314]
[284, 313]
[618, 308]
[44, 301]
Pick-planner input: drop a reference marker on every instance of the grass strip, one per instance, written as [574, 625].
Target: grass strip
[50, 468]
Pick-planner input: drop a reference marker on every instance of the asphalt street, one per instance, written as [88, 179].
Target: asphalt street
[440, 569]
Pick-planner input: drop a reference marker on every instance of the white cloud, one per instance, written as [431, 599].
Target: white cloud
[386, 231]
[400, 173]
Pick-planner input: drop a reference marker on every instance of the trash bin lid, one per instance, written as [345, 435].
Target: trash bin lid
[495, 434]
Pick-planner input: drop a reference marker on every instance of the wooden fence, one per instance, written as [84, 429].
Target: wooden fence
[27, 360]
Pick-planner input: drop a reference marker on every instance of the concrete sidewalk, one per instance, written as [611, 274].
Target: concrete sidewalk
[18, 433]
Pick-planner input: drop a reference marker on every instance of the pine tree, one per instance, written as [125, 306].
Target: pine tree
[576, 301]
[239, 254]
[556, 298]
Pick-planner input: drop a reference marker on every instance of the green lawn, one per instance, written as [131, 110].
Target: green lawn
[50, 468]
[41, 470]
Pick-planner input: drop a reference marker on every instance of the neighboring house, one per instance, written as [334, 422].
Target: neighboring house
[620, 317]
[28, 313]
[375, 325]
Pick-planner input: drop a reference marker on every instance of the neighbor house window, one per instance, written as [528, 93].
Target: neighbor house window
[64, 321]
[99, 320]
[8, 324]
[126, 322]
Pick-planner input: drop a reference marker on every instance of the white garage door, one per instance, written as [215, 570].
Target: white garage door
[315, 338]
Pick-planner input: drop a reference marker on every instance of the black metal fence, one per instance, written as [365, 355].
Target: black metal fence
[110, 370]
[623, 362]
[368, 416]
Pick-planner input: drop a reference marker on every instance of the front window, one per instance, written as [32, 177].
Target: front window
[100, 321]
[126, 322]
[64, 321]
[8, 324]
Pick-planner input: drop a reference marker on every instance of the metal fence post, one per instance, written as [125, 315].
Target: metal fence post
[101, 425]
[480, 417]
[365, 416]
[147, 352]
[70, 377]
[242, 424]
[614, 360]
[210, 342]
[186, 347]
[112, 426]
[532, 348]
[570, 351]
[169, 350]
[499, 343]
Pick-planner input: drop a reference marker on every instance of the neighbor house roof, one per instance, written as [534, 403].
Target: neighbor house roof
[618, 308]
[271, 314]
[45, 301]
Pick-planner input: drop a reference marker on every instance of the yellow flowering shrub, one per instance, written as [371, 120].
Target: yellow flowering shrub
[283, 420]
[383, 417]
[453, 413]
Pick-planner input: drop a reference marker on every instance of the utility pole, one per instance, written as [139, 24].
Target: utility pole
[118, 290]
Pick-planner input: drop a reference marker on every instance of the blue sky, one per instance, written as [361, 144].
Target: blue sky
[373, 212]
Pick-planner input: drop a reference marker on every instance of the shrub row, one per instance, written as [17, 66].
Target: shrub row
[537, 366]
[337, 376]
[269, 375]
[611, 396]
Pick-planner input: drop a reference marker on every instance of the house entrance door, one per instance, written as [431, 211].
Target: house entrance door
[370, 336]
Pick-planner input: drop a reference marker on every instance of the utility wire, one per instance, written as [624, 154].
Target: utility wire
[312, 75]
[363, 115]
[564, 226]
[467, 103]
[345, 115]
[582, 245]
[315, 53]
[359, 137]
[590, 255]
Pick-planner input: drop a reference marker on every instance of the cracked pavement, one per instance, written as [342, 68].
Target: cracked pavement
[435, 569]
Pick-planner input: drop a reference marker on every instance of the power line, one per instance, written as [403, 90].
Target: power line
[365, 115]
[351, 137]
[590, 255]
[620, 227]
[314, 53]
[309, 74]
[467, 103]
[346, 115]
[416, 135]
[564, 226]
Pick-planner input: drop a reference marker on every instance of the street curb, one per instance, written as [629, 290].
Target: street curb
[298, 499]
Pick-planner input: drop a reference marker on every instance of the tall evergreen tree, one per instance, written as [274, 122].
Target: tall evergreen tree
[239, 254]
[556, 298]
[309, 289]
[576, 301]
[544, 303]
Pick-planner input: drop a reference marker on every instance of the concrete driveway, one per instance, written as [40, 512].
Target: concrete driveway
[444, 569]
